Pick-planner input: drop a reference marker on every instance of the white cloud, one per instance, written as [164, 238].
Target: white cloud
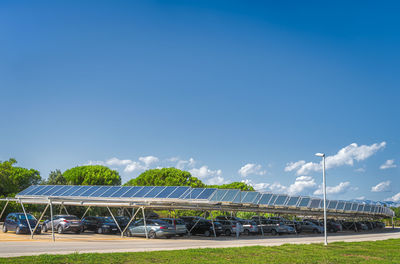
[301, 184]
[345, 156]
[360, 198]
[360, 170]
[148, 160]
[182, 164]
[251, 169]
[204, 172]
[95, 162]
[134, 166]
[294, 165]
[338, 189]
[218, 180]
[395, 198]
[117, 162]
[381, 187]
[261, 187]
[388, 165]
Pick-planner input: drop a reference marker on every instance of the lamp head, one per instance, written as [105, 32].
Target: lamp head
[320, 155]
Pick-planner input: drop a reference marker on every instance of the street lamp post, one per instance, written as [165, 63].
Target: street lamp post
[322, 155]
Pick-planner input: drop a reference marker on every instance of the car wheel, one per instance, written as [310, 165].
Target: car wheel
[44, 228]
[18, 230]
[152, 234]
[228, 232]
[246, 232]
[78, 231]
[331, 230]
[128, 233]
[5, 229]
[274, 232]
[315, 231]
[99, 230]
[60, 230]
[168, 237]
[207, 233]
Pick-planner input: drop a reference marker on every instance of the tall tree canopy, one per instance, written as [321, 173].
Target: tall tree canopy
[234, 185]
[166, 177]
[92, 175]
[55, 178]
[15, 179]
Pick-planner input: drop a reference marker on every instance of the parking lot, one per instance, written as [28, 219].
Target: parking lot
[22, 245]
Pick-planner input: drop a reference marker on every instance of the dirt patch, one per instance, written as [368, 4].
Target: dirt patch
[363, 257]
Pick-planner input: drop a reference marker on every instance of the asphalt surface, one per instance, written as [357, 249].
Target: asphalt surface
[103, 243]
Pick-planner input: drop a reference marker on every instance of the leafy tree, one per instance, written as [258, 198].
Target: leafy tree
[55, 178]
[234, 185]
[92, 175]
[166, 177]
[15, 179]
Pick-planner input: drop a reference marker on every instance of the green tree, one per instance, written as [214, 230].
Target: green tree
[234, 185]
[166, 177]
[92, 175]
[15, 179]
[55, 178]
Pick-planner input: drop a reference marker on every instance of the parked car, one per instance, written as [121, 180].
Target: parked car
[155, 228]
[99, 224]
[230, 227]
[333, 226]
[249, 227]
[274, 227]
[64, 223]
[179, 224]
[121, 220]
[201, 226]
[17, 222]
[307, 226]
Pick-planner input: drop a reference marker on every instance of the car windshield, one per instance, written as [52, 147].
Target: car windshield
[30, 217]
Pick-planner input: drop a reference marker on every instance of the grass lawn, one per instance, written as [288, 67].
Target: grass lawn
[386, 251]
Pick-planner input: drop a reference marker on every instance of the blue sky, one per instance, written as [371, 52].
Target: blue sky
[230, 90]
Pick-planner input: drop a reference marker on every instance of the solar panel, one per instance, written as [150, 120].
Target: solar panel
[44, 189]
[340, 205]
[143, 191]
[89, 191]
[121, 191]
[367, 208]
[52, 190]
[72, 191]
[99, 191]
[304, 202]
[292, 201]
[354, 207]
[280, 200]
[28, 190]
[153, 193]
[131, 192]
[332, 204]
[62, 190]
[166, 192]
[360, 208]
[347, 207]
[179, 192]
[265, 198]
[249, 197]
[230, 195]
[110, 191]
[315, 203]
[206, 193]
[218, 195]
[81, 190]
[193, 193]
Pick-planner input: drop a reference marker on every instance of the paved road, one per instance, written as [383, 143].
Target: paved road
[36, 247]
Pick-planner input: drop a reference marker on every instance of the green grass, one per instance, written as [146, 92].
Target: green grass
[386, 251]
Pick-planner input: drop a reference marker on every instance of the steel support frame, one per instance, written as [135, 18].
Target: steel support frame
[130, 221]
[38, 222]
[145, 225]
[52, 221]
[26, 217]
[86, 211]
[4, 209]
[112, 215]
[212, 222]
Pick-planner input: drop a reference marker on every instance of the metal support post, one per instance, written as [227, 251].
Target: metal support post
[64, 208]
[145, 226]
[259, 220]
[85, 213]
[126, 210]
[130, 221]
[212, 222]
[52, 221]
[392, 222]
[38, 222]
[194, 225]
[26, 217]
[114, 219]
[4, 209]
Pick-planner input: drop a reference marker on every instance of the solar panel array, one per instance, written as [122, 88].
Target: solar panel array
[187, 194]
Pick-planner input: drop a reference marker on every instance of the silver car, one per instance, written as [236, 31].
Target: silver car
[180, 226]
[307, 226]
[64, 223]
[249, 227]
[155, 228]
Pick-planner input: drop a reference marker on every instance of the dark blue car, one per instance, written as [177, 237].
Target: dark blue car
[17, 222]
